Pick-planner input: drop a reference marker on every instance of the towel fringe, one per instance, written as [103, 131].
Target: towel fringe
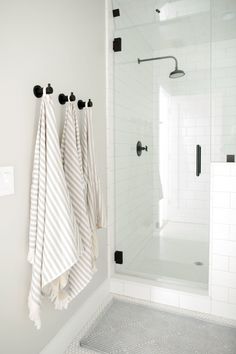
[34, 312]
[57, 292]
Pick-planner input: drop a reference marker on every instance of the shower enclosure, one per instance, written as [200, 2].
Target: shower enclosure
[163, 133]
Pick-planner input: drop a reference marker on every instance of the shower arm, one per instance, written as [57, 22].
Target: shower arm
[159, 58]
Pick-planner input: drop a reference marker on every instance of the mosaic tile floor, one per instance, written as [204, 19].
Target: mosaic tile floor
[137, 329]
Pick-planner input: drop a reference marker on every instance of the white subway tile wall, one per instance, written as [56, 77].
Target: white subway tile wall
[182, 111]
[223, 240]
[223, 99]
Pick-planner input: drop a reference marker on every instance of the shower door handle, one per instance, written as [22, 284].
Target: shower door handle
[198, 160]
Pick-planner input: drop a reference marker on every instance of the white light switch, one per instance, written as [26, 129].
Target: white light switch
[6, 180]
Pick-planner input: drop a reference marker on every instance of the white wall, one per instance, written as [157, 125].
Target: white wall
[42, 41]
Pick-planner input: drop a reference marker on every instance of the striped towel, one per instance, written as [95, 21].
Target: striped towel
[82, 272]
[54, 240]
[95, 204]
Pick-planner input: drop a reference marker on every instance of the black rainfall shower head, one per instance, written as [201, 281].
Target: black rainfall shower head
[176, 74]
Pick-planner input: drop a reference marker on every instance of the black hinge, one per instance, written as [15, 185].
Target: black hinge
[116, 12]
[118, 257]
[117, 44]
[230, 158]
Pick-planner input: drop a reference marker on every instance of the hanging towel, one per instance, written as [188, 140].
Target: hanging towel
[94, 199]
[82, 272]
[54, 239]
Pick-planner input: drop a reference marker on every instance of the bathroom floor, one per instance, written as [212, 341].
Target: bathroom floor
[132, 328]
[179, 252]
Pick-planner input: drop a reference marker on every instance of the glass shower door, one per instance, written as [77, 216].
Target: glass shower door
[133, 106]
[162, 196]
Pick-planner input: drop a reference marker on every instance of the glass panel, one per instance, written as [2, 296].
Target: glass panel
[162, 206]
[133, 122]
[223, 79]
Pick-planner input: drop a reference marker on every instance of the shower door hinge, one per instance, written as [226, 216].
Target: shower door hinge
[230, 158]
[117, 44]
[118, 257]
[116, 12]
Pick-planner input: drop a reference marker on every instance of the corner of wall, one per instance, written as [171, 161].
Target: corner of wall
[76, 323]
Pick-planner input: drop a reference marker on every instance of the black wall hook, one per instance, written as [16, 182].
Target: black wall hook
[90, 103]
[81, 104]
[63, 98]
[38, 90]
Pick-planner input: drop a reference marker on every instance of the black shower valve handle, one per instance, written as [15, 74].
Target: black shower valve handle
[140, 148]
[144, 148]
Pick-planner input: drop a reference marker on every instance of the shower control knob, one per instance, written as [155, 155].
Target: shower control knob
[140, 148]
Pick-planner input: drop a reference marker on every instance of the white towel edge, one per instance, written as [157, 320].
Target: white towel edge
[34, 312]
[30, 257]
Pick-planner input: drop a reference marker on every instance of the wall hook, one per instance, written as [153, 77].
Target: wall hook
[38, 90]
[90, 103]
[81, 104]
[63, 98]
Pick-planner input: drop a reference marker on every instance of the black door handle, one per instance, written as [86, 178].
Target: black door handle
[198, 160]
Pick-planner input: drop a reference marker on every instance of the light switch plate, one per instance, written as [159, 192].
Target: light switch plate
[6, 180]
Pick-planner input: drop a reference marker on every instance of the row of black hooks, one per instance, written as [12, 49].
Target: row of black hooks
[62, 98]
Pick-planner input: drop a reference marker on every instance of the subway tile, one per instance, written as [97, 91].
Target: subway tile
[219, 293]
[233, 200]
[224, 248]
[225, 279]
[232, 296]
[137, 290]
[233, 166]
[232, 233]
[220, 262]
[221, 200]
[232, 264]
[117, 286]
[220, 215]
[164, 296]
[195, 303]
[223, 309]
[224, 183]
[220, 169]
[220, 231]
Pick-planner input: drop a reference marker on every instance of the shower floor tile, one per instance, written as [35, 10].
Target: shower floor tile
[138, 329]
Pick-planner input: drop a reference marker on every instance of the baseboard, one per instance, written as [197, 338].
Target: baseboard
[68, 332]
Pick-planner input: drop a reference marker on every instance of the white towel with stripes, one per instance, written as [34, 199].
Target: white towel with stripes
[94, 198]
[82, 272]
[54, 239]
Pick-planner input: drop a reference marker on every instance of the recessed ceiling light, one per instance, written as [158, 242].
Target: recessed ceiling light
[227, 16]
